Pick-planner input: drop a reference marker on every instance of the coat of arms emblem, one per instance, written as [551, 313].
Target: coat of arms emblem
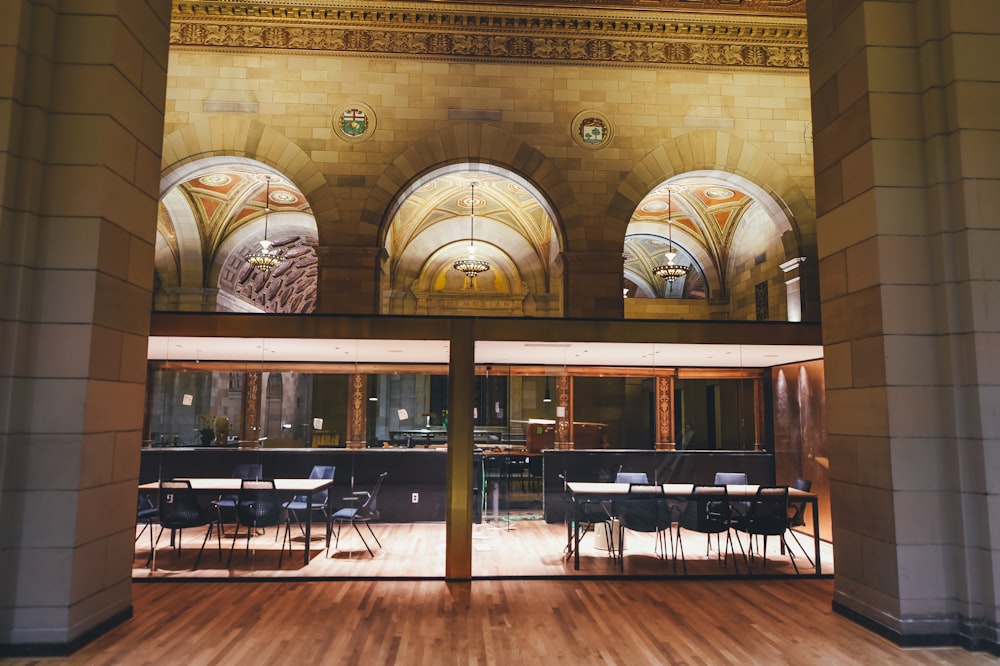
[593, 131]
[354, 122]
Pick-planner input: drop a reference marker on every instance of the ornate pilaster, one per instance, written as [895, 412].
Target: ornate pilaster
[665, 440]
[564, 412]
[357, 417]
[251, 407]
[793, 287]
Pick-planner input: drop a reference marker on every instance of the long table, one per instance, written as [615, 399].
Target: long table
[582, 491]
[305, 487]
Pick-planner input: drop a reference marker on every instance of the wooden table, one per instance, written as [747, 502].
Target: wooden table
[305, 487]
[583, 491]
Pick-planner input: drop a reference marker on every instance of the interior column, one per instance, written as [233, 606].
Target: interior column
[907, 185]
[458, 482]
[80, 142]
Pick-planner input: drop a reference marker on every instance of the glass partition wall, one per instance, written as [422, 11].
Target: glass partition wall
[210, 420]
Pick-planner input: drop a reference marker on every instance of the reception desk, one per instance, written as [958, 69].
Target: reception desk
[420, 471]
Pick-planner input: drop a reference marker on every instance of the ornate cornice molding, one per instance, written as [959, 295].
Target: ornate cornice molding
[508, 33]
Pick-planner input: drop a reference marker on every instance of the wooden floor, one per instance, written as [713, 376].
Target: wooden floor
[510, 547]
[567, 621]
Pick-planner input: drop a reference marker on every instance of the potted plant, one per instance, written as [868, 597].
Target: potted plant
[205, 430]
[221, 431]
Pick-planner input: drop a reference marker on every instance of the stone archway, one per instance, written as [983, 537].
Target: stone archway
[227, 136]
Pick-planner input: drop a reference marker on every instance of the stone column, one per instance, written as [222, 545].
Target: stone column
[908, 186]
[80, 141]
[793, 287]
[593, 284]
[347, 280]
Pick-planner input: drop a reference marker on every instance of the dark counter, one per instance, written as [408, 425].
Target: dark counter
[420, 471]
[659, 466]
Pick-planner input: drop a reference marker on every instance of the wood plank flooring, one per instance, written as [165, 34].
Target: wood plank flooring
[569, 621]
[504, 548]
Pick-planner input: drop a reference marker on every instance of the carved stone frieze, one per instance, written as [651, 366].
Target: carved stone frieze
[422, 31]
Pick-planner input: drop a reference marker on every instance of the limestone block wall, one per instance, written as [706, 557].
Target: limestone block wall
[418, 103]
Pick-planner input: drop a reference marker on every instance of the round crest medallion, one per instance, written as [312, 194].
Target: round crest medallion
[591, 130]
[354, 122]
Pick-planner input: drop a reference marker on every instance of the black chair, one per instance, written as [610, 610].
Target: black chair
[767, 516]
[707, 510]
[645, 509]
[179, 510]
[632, 477]
[797, 515]
[319, 498]
[259, 506]
[738, 509]
[145, 513]
[250, 471]
[588, 514]
[365, 512]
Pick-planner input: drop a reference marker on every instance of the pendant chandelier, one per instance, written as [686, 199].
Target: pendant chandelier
[472, 265]
[670, 271]
[265, 257]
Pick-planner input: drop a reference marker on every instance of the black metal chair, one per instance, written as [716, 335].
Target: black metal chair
[645, 509]
[767, 516]
[250, 471]
[145, 513]
[319, 498]
[365, 512]
[797, 515]
[707, 510]
[738, 508]
[179, 510]
[259, 506]
[588, 514]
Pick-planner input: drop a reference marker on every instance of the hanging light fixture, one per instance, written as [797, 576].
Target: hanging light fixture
[265, 257]
[670, 271]
[472, 265]
[548, 396]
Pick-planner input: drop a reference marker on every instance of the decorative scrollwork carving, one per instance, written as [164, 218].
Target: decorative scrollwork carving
[647, 40]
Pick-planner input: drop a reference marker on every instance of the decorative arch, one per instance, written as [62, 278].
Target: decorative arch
[430, 224]
[722, 153]
[228, 136]
[470, 143]
[213, 212]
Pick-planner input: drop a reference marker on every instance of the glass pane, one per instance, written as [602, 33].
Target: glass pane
[715, 414]
[214, 426]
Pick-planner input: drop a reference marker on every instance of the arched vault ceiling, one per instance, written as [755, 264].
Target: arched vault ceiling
[701, 212]
[224, 200]
[434, 207]
[704, 208]
[213, 217]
